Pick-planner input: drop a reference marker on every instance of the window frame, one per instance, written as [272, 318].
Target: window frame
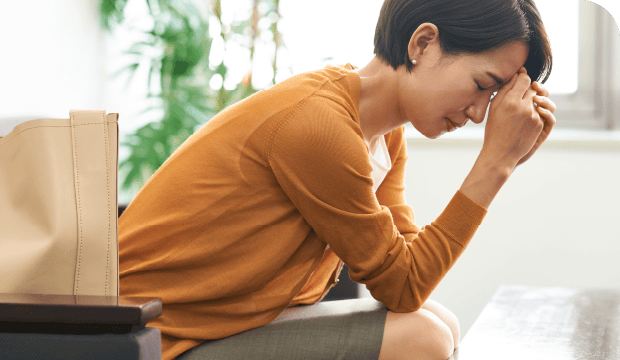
[596, 103]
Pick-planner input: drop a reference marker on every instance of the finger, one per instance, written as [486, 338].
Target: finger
[545, 102]
[529, 95]
[548, 123]
[501, 93]
[532, 150]
[542, 90]
[548, 118]
[544, 134]
[521, 86]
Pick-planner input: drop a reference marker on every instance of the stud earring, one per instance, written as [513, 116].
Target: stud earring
[414, 62]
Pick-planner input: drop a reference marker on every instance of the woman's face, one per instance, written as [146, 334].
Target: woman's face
[442, 94]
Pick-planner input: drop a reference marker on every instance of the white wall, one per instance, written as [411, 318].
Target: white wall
[52, 58]
[556, 222]
[55, 57]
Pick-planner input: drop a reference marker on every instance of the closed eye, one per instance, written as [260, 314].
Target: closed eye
[483, 89]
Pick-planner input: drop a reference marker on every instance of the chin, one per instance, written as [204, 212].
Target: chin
[434, 136]
[429, 133]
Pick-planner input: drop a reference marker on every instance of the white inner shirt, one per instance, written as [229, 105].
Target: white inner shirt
[381, 163]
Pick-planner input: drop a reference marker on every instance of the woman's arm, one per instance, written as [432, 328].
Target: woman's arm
[320, 160]
[515, 129]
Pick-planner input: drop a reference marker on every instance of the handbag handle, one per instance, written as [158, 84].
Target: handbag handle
[95, 157]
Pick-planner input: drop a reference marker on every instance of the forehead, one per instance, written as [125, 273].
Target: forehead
[504, 61]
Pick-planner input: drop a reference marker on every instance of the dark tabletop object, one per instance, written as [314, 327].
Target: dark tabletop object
[546, 323]
[75, 314]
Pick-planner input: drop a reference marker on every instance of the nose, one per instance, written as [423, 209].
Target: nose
[478, 110]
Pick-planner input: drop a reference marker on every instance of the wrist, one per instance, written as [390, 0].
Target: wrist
[501, 168]
[485, 180]
[497, 161]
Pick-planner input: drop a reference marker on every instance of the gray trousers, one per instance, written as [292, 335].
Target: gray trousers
[345, 329]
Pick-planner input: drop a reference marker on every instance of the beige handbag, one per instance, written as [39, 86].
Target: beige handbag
[58, 206]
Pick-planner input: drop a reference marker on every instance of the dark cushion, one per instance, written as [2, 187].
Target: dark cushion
[144, 344]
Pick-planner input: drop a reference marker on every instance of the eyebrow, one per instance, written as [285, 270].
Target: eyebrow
[500, 82]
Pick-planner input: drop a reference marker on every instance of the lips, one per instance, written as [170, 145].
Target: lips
[451, 126]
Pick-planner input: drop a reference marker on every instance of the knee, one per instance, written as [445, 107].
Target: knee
[419, 335]
[453, 323]
[438, 340]
[447, 317]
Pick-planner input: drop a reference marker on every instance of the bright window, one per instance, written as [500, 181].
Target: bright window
[349, 35]
[563, 30]
[585, 80]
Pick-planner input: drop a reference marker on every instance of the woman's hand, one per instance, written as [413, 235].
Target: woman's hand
[546, 108]
[516, 127]
[514, 131]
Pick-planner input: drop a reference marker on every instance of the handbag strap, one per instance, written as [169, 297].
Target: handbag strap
[96, 246]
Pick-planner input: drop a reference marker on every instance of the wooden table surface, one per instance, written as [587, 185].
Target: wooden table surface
[551, 323]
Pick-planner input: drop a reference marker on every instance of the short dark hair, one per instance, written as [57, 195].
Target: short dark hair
[465, 26]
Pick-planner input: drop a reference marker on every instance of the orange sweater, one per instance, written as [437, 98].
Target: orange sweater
[230, 229]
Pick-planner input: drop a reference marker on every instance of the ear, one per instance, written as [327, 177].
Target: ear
[424, 43]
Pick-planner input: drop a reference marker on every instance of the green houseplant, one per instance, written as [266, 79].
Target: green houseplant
[183, 42]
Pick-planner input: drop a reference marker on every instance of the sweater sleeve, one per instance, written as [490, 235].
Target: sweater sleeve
[319, 157]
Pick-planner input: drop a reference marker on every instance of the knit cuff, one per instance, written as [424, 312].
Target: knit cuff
[461, 218]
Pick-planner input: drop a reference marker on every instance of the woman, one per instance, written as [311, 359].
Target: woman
[257, 211]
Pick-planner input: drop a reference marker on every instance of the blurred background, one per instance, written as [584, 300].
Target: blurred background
[168, 66]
